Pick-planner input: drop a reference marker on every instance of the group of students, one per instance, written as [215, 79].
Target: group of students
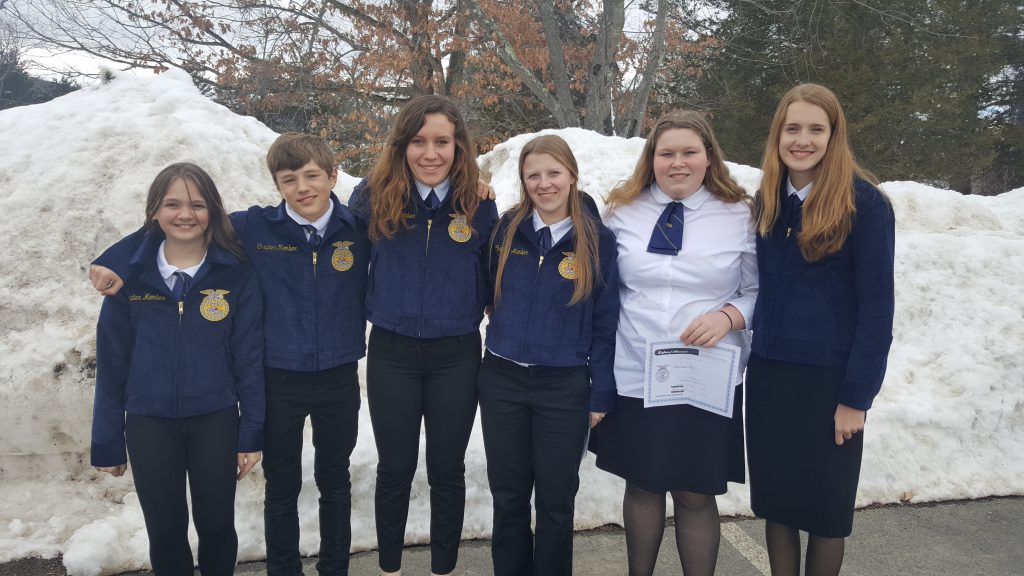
[220, 334]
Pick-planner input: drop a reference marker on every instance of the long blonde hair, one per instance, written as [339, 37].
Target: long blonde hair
[829, 209]
[585, 230]
[717, 178]
[391, 180]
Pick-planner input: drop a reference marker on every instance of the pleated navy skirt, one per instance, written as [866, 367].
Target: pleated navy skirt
[798, 476]
[667, 448]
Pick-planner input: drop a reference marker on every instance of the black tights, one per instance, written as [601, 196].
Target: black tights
[697, 530]
[824, 555]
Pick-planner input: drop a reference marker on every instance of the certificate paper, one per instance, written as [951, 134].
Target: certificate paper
[679, 374]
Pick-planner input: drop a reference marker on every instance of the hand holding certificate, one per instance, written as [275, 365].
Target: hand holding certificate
[679, 374]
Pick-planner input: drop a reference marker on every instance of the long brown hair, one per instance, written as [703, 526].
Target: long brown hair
[717, 178]
[219, 231]
[829, 209]
[585, 230]
[391, 180]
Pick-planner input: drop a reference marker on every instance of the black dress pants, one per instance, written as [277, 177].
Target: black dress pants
[330, 398]
[163, 452]
[535, 421]
[433, 381]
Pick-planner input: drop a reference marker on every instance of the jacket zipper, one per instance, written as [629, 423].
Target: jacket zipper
[529, 308]
[177, 358]
[423, 278]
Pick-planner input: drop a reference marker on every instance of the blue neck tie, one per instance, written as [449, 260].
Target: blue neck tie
[180, 288]
[544, 240]
[792, 205]
[314, 238]
[667, 236]
[432, 200]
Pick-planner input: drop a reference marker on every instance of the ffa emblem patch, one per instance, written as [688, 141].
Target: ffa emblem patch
[661, 374]
[214, 307]
[342, 259]
[567, 267]
[459, 229]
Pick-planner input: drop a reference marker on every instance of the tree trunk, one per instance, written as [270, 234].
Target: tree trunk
[564, 116]
[635, 121]
[601, 76]
[556, 60]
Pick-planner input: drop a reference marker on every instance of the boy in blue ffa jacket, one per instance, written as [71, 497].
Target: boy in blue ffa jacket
[547, 375]
[311, 255]
[178, 356]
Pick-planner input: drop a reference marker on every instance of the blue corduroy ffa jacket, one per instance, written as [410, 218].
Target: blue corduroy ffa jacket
[430, 280]
[533, 322]
[314, 302]
[314, 311]
[836, 312]
[159, 357]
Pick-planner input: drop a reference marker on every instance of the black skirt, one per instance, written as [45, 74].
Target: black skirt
[669, 448]
[798, 476]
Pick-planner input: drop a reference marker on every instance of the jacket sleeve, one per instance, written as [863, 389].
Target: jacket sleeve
[359, 201]
[873, 245]
[114, 340]
[488, 255]
[746, 295]
[240, 222]
[118, 256]
[247, 364]
[603, 326]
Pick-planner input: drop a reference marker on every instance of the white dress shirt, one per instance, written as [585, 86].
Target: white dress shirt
[558, 229]
[661, 295]
[320, 224]
[801, 193]
[167, 269]
[441, 189]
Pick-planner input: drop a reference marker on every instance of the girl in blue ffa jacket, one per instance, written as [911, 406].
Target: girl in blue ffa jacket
[687, 272]
[179, 353]
[425, 298]
[311, 255]
[546, 377]
[822, 330]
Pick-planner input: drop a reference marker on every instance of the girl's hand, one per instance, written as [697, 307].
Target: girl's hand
[115, 471]
[484, 190]
[596, 417]
[707, 329]
[246, 462]
[849, 421]
[104, 280]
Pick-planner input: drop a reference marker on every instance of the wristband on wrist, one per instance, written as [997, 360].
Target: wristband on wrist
[731, 328]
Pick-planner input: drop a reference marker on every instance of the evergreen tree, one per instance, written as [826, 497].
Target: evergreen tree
[919, 80]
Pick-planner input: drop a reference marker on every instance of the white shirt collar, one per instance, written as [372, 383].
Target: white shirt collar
[558, 229]
[801, 193]
[167, 270]
[441, 189]
[320, 224]
[693, 201]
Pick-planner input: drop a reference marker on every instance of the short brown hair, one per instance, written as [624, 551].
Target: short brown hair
[293, 150]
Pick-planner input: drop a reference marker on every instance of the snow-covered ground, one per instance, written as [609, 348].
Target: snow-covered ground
[949, 422]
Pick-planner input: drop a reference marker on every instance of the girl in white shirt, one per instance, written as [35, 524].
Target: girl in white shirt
[697, 284]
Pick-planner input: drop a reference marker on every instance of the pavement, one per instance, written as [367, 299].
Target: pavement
[964, 538]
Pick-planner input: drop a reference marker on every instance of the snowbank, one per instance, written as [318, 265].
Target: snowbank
[948, 424]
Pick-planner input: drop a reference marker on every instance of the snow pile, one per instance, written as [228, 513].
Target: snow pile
[949, 422]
